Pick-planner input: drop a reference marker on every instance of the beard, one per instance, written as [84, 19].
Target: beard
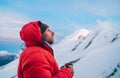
[51, 42]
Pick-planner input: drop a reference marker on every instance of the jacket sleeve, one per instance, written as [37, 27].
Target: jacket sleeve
[41, 69]
[63, 73]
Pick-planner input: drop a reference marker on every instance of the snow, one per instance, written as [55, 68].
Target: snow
[9, 70]
[98, 50]
[96, 61]
[3, 53]
[99, 55]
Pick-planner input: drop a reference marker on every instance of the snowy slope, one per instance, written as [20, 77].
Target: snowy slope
[98, 52]
[70, 41]
[9, 70]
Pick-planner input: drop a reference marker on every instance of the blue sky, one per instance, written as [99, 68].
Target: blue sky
[63, 16]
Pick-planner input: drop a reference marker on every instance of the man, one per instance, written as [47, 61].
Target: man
[37, 59]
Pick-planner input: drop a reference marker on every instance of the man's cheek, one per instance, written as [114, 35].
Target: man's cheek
[49, 35]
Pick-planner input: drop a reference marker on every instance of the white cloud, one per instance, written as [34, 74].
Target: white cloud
[107, 26]
[3, 53]
[11, 24]
[104, 24]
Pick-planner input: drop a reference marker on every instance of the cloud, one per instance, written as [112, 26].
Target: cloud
[107, 26]
[11, 23]
[3, 53]
[103, 25]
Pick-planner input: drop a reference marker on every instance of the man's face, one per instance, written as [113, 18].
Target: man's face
[49, 36]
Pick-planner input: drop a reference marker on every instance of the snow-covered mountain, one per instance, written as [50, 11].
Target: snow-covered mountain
[96, 54]
[6, 57]
[99, 54]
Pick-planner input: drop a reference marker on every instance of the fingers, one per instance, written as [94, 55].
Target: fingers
[72, 70]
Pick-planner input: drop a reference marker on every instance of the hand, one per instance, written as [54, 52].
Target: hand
[72, 70]
[70, 67]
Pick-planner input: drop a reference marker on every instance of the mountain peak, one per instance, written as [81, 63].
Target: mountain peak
[78, 34]
[82, 33]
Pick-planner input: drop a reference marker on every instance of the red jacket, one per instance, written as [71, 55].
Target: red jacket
[37, 60]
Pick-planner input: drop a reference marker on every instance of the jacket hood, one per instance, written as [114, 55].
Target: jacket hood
[31, 34]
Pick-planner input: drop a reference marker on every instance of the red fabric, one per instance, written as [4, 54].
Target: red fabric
[37, 60]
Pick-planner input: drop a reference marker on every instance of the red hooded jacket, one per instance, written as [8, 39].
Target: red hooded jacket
[37, 60]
